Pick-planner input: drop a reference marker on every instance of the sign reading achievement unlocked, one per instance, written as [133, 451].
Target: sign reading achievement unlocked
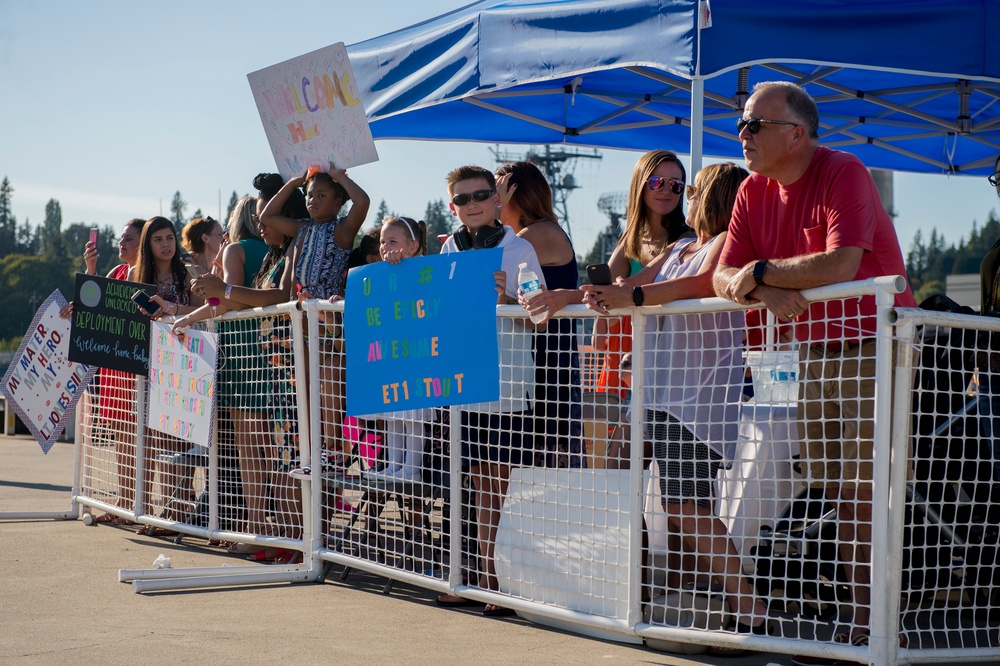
[108, 330]
[42, 384]
[182, 383]
[311, 112]
[423, 333]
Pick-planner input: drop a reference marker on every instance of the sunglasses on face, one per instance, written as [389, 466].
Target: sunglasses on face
[656, 182]
[994, 179]
[753, 124]
[478, 195]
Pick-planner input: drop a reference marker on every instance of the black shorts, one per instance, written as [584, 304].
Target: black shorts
[493, 438]
[687, 467]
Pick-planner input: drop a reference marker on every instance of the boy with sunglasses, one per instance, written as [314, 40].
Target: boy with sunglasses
[492, 433]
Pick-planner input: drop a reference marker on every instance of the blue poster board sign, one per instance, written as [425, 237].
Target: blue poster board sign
[422, 333]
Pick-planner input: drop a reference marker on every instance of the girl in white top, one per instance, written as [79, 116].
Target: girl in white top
[402, 238]
[693, 377]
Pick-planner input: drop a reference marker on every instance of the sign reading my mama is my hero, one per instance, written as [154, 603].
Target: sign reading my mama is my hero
[108, 330]
[422, 332]
[182, 383]
[42, 384]
[311, 112]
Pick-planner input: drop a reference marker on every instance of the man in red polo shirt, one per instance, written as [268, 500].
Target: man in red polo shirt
[807, 217]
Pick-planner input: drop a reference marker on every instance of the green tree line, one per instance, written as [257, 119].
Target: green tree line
[928, 263]
[35, 260]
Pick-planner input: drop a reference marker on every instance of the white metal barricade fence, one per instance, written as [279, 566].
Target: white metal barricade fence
[944, 503]
[237, 490]
[602, 531]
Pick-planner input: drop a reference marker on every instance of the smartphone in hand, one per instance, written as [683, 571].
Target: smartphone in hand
[141, 299]
[94, 232]
[599, 274]
[193, 271]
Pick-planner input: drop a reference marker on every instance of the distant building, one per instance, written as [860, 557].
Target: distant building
[964, 289]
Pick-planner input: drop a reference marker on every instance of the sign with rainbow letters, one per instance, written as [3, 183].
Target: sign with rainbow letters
[311, 112]
[182, 383]
[422, 333]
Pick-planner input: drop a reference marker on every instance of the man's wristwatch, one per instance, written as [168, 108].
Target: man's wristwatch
[758, 271]
[638, 297]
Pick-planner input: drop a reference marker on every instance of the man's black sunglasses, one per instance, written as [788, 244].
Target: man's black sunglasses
[753, 124]
[994, 179]
[478, 195]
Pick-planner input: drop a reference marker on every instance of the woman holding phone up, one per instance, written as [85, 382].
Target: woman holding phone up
[116, 389]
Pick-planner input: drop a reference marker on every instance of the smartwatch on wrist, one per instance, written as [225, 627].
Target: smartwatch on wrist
[638, 297]
[758, 271]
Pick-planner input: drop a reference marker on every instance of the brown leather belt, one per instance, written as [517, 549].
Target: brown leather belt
[835, 347]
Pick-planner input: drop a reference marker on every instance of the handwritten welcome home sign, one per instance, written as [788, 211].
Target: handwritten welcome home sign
[182, 383]
[42, 384]
[108, 330]
[422, 332]
[311, 112]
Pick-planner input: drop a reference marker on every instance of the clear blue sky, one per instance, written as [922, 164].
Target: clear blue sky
[110, 107]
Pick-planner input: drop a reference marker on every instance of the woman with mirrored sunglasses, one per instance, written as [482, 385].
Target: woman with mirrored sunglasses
[654, 220]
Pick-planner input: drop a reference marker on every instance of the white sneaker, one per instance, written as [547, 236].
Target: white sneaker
[326, 465]
[406, 474]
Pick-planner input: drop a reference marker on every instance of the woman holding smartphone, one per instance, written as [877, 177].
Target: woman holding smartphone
[159, 264]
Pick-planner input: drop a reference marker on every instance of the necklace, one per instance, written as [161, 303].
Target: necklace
[165, 282]
[656, 248]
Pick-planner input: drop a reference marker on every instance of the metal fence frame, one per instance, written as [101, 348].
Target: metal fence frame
[895, 333]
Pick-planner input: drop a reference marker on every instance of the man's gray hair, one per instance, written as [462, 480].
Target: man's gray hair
[798, 101]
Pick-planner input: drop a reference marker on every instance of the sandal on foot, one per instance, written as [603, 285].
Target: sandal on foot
[264, 555]
[861, 639]
[237, 548]
[150, 530]
[451, 601]
[288, 557]
[498, 611]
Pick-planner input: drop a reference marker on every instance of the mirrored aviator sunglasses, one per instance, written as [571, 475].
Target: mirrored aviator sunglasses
[478, 195]
[654, 183]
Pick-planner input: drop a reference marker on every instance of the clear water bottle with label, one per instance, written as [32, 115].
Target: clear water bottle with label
[530, 287]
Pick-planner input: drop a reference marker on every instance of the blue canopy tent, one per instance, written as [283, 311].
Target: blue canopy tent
[909, 85]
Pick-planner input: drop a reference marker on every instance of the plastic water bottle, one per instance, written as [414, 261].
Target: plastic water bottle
[530, 287]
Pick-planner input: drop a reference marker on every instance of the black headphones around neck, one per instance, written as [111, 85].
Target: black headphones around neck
[485, 238]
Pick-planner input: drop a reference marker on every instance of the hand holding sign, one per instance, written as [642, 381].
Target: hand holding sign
[410, 351]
